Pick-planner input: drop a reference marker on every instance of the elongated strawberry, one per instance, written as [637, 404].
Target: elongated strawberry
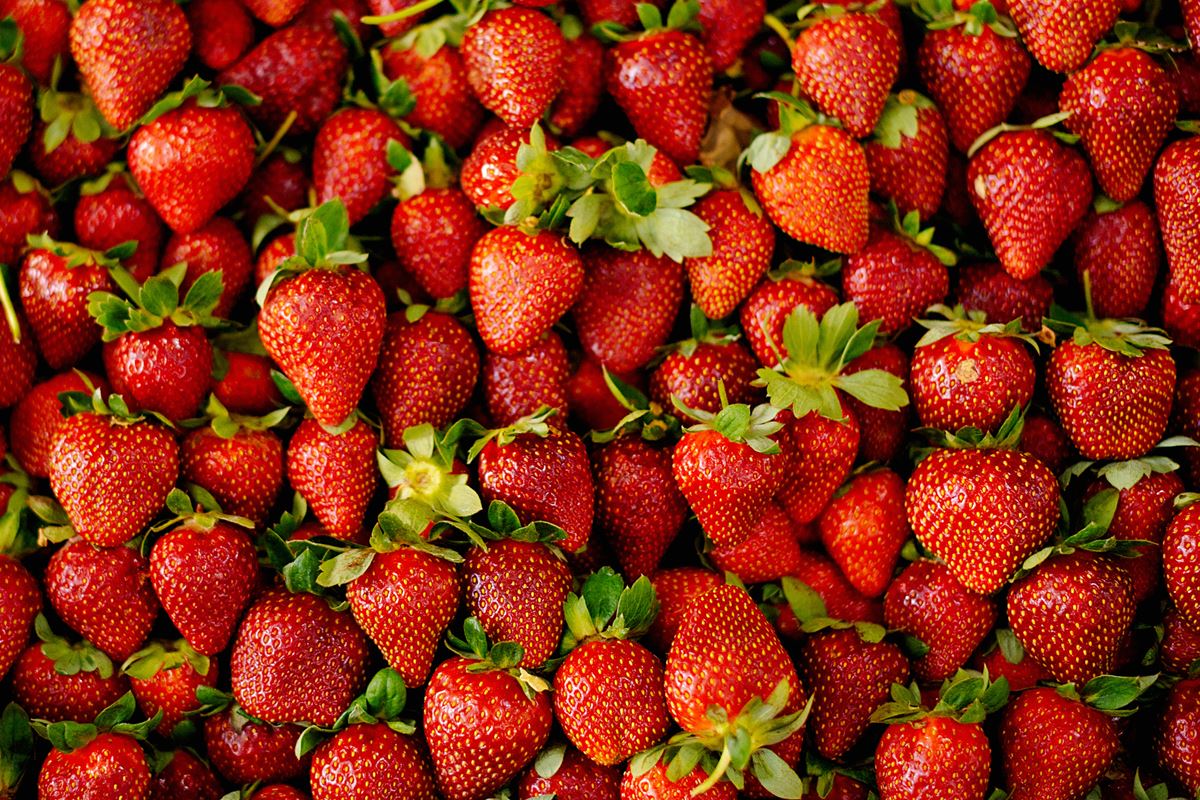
[864, 528]
[1179, 568]
[1174, 744]
[57, 680]
[742, 243]
[55, 281]
[1061, 34]
[335, 473]
[20, 593]
[434, 233]
[517, 386]
[165, 676]
[388, 760]
[908, 154]
[513, 59]
[1176, 187]
[128, 52]
[1117, 248]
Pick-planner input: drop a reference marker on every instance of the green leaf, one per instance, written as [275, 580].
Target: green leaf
[502, 518]
[120, 711]
[875, 388]
[805, 603]
[632, 190]
[345, 567]
[301, 574]
[16, 747]
[159, 296]
[637, 604]
[602, 593]
[549, 760]
[204, 294]
[1114, 692]
[676, 233]
[386, 694]
[775, 775]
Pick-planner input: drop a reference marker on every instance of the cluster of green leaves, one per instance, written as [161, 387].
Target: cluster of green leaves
[968, 697]
[70, 736]
[322, 242]
[156, 301]
[605, 607]
[382, 701]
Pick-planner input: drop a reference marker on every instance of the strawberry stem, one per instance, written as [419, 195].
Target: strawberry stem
[719, 770]
[403, 13]
[10, 311]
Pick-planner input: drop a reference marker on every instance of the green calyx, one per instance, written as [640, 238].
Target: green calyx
[1112, 694]
[1006, 437]
[199, 511]
[156, 301]
[1141, 36]
[16, 748]
[606, 608]
[768, 148]
[383, 701]
[810, 612]
[810, 376]
[227, 425]
[909, 226]
[71, 658]
[534, 424]
[424, 471]
[113, 405]
[1093, 537]
[941, 14]
[16, 539]
[968, 697]
[1047, 123]
[429, 37]
[199, 91]
[322, 242]
[738, 423]
[161, 657]
[968, 326]
[70, 736]
[414, 176]
[488, 657]
[646, 418]
[1126, 474]
[899, 120]
[1127, 337]
[12, 42]
[76, 256]
[682, 16]
[70, 114]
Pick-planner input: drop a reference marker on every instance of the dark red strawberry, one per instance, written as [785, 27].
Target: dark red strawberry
[742, 243]
[1117, 249]
[1176, 190]
[350, 161]
[111, 213]
[164, 677]
[727, 27]
[695, 370]
[517, 386]
[1175, 744]
[908, 154]
[38, 416]
[56, 680]
[18, 355]
[591, 400]
[239, 460]
[244, 751]
[1061, 34]
[221, 31]
[20, 593]
[767, 308]
[55, 281]
[513, 59]
[434, 233]
[384, 759]
[582, 84]
[335, 473]
[863, 528]
[185, 775]
[217, 246]
[1180, 648]
[568, 774]
[25, 209]
[1003, 298]
[881, 431]
[437, 82]
[1180, 572]
[69, 138]
[282, 178]
[45, 26]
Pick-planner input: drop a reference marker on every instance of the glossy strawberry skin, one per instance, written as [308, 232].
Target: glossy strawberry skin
[45, 27]
[222, 31]
[893, 280]
[577, 778]
[46, 694]
[244, 751]
[115, 215]
[72, 158]
[913, 173]
[54, 297]
[655, 785]
[1177, 189]
[694, 376]
[771, 551]
[20, 594]
[244, 473]
[173, 691]
[218, 246]
[513, 59]
[185, 776]
[956, 383]
[1119, 252]
[766, 309]
[1003, 298]
[1143, 512]
[1179, 564]
[914, 760]
[444, 102]
[391, 762]
[676, 589]
[742, 243]
[166, 369]
[1175, 740]
[111, 765]
[1061, 34]
[350, 159]
[820, 452]
[517, 386]
[864, 529]
[434, 234]
[489, 170]
[335, 473]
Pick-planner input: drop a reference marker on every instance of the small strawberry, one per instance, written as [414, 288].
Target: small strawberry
[103, 594]
[282, 178]
[438, 83]
[1176, 189]
[244, 751]
[70, 139]
[1001, 297]
[1175, 744]
[568, 774]
[1116, 248]
[517, 386]
[881, 431]
[771, 551]
[335, 473]
[128, 53]
[222, 31]
[1180, 572]
[768, 306]
[295, 659]
[55, 282]
[590, 399]
[217, 247]
[676, 589]
[1031, 192]
[275, 13]
[908, 154]
[695, 370]
[863, 528]
[513, 59]
[18, 356]
[1060, 33]
[38, 416]
[1180, 644]
[56, 680]
[897, 275]
[25, 210]
[164, 677]
[742, 243]
[45, 26]
[20, 594]
[434, 233]
[185, 775]
[727, 27]
[110, 212]
[387, 762]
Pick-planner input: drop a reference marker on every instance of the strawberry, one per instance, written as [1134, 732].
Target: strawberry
[38, 416]
[548, 271]
[864, 528]
[434, 233]
[771, 551]
[1044, 439]
[655, 784]
[726, 28]
[513, 59]
[1179, 568]
[111, 213]
[847, 63]
[295, 69]
[766, 309]
[217, 246]
[185, 775]
[1021, 673]
[608, 691]
[1071, 614]
[639, 508]
[1054, 747]
[110, 765]
[517, 386]
[103, 594]
[1176, 188]
[275, 13]
[482, 723]
[894, 277]
[489, 170]
[208, 150]
[20, 594]
[428, 367]
[1061, 34]
[350, 161]
[1031, 192]
[1092, 378]
[128, 53]
[568, 774]
[582, 84]
[975, 71]
[1174, 743]
[1180, 319]
[204, 572]
[1123, 130]
[387, 761]
[238, 460]
[622, 12]
[982, 510]
[742, 243]
[69, 138]
[164, 677]
[695, 370]
[111, 472]
[627, 305]
[1117, 249]
[1180, 647]
[55, 281]
[222, 31]
[676, 589]
[244, 751]
[961, 768]
[25, 209]
[283, 179]
[45, 26]
[927, 602]
[279, 791]
[18, 356]
[590, 399]
[728, 468]
[335, 473]
[908, 153]
[1001, 297]
[438, 83]
[662, 80]
[296, 659]
[881, 432]
[56, 680]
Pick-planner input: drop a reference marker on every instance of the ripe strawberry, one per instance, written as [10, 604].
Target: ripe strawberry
[1003, 298]
[44, 28]
[982, 511]
[217, 246]
[655, 784]
[1122, 105]
[128, 53]
[279, 791]
[573, 777]
[768, 306]
[849, 677]
[389, 763]
[695, 369]
[350, 161]
[185, 775]
[18, 356]
[1176, 189]
[1054, 748]
[513, 59]
[627, 305]
[56, 680]
[582, 85]
[438, 83]
[1031, 192]
[1180, 572]
[881, 431]
[38, 416]
[19, 593]
[908, 154]
[864, 528]
[771, 551]
[676, 590]
[112, 475]
[489, 170]
[1071, 614]
[244, 751]
[1180, 647]
[517, 386]
[847, 63]
[1175, 742]
[111, 213]
[1061, 34]
[295, 659]
[275, 13]
[1117, 249]
[69, 138]
[298, 68]
[727, 27]
[164, 677]
[975, 72]
[24, 211]
[222, 31]
[434, 233]
[55, 281]
[335, 473]
[639, 508]
[481, 726]
[662, 80]
[238, 461]
[428, 368]
[103, 594]
[894, 278]
[204, 577]
[110, 765]
[905, 770]
[927, 602]
[1112, 387]
[210, 151]
[742, 243]
[404, 601]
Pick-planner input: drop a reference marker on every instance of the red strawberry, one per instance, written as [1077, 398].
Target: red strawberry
[110, 765]
[960, 769]
[1180, 572]
[350, 160]
[1003, 298]
[428, 368]
[335, 473]
[18, 356]
[44, 28]
[662, 80]
[1117, 249]
[1122, 105]
[438, 83]
[490, 168]
[404, 601]
[727, 27]
[573, 777]
[894, 278]
[1023, 674]
[1180, 644]
[1176, 189]
[847, 63]
[38, 416]
[513, 59]
[627, 305]
[218, 246]
[881, 431]
[295, 659]
[1031, 192]
[23, 211]
[69, 138]
[1175, 742]
[676, 590]
[128, 53]
[1060, 34]
[1072, 613]
[20, 594]
[111, 213]
[864, 528]
[927, 602]
[274, 12]
[481, 726]
[742, 243]
[387, 762]
[591, 401]
[771, 551]
[1181, 320]
[908, 154]
[244, 751]
[185, 775]
[238, 461]
[517, 386]
[56, 680]
[55, 282]
[221, 31]
[165, 677]
[766, 310]
[516, 590]
[655, 784]
[434, 233]
[103, 594]
[582, 85]
[695, 369]
[1142, 513]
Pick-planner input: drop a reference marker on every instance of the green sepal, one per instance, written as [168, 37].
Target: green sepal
[16, 748]
[68, 658]
[157, 657]
[606, 608]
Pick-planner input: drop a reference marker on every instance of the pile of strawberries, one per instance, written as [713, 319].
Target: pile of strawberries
[593, 400]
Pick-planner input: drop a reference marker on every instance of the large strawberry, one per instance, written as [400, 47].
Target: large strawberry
[1060, 33]
[128, 52]
[1118, 253]
[908, 154]
[101, 759]
[1177, 189]
[864, 528]
[377, 755]
[350, 158]
[513, 59]
[1122, 105]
